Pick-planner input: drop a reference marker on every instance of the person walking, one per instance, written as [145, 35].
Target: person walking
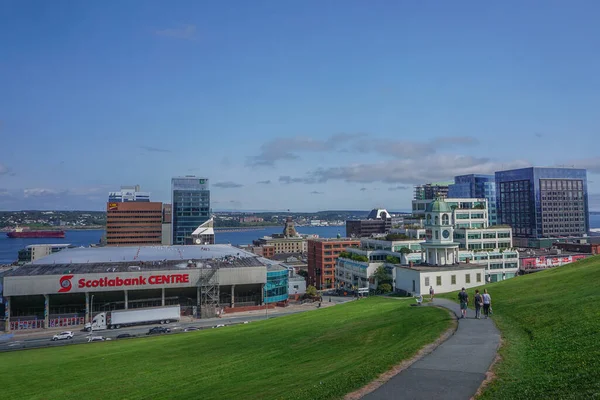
[478, 304]
[487, 303]
[464, 302]
[431, 293]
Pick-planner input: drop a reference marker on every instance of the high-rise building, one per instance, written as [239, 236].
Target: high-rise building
[476, 186]
[431, 191]
[128, 193]
[543, 202]
[132, 219]
[190, 201]
[379, 221]
[322, 256]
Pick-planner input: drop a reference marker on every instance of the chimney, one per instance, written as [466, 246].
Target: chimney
[410, 264]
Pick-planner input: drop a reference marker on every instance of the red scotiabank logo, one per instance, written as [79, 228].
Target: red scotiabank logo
[65, 284]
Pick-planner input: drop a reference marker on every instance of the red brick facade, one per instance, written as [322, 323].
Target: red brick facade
[322, 255]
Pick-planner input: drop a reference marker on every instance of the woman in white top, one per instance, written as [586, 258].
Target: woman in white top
[487, 303]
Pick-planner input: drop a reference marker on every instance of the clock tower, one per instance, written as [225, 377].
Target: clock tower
[439, 249]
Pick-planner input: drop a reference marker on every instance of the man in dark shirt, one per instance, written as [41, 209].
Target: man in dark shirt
[463, 297]
[478, 303]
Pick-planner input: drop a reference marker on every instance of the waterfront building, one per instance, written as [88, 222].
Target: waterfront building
[476, 186]
[69, 287]
[134, 220]
[34, 252]
[379, 221]
[322, 256]
[431, 191]
[190, 200]
[543, 202]
[204, 234]
[127, 194]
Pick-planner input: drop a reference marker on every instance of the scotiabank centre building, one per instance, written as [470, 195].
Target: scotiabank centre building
[67, 288]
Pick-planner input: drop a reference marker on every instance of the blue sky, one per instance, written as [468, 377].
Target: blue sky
[332, 105]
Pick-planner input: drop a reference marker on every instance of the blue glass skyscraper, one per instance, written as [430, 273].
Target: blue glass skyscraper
[475, 186]
[190, 199]
[543, 202]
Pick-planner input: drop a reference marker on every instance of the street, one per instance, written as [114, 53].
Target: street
[20, 342]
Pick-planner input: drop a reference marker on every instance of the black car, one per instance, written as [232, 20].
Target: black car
[124, 335]
[157, 330]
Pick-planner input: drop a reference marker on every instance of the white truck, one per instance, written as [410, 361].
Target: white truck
[139, 316]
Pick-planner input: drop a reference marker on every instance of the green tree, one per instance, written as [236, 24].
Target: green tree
[396, 236]
[311, 291]
[382, 276]
[385, 288]
[405, 250]
[392, 260]
[303, 273]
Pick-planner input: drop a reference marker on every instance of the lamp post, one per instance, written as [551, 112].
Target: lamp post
[92, 315]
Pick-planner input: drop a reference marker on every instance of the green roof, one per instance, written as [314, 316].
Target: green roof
[438, 205]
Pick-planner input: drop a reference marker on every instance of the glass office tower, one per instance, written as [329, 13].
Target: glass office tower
[543, 202]
[476, 187]
[190, 202]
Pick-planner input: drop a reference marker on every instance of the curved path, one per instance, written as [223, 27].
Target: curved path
[454, 370]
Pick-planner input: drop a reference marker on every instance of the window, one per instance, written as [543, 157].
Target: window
[426, 281]
[478, 277]
[468, 278]
[438, 281]
[453, 279]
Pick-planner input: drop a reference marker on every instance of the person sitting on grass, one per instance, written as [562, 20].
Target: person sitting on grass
[464, 302]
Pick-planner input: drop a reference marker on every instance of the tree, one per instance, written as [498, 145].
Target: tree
[385, 288]
[392, 260]
[303, 273]
[405, 250]
[311, 291]
[382, 276]
[396, 236]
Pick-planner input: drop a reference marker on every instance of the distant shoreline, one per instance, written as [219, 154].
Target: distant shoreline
[59, 228]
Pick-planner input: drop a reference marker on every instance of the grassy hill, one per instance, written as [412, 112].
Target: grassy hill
[550, 322]
[322, 354]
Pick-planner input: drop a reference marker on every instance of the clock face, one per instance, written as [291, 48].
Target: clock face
[446, 234]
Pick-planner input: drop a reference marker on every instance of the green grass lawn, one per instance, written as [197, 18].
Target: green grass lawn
[322, 354]
[550, 322]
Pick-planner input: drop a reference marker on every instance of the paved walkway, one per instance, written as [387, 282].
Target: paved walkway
[454, 370]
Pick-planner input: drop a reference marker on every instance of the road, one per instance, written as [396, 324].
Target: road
[23, 342]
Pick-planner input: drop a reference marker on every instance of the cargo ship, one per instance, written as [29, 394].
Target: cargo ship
[21, 233]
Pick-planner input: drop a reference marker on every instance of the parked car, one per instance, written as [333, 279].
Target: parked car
[124, 335]
[96, 339]
[219, 326]
[191, 328]
[63, 335]
[158, 330]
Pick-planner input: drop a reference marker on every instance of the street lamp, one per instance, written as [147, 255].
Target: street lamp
[92, 315]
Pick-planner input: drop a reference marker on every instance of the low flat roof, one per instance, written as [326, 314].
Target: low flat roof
[133, 266]
[528, 253]
[110, 254]
[456, 267]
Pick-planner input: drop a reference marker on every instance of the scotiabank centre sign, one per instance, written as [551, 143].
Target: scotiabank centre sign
[83, 283]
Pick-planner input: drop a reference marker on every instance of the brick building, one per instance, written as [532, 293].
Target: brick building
[322, 256]
[134, 223]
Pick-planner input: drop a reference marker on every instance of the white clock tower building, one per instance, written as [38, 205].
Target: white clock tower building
[439, 249]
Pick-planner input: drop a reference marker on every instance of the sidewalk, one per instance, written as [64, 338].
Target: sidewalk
[454, 370]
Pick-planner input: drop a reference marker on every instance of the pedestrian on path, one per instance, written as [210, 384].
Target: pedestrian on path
[464, 302]
[487, 303]
[478, 304]
[431, 293]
